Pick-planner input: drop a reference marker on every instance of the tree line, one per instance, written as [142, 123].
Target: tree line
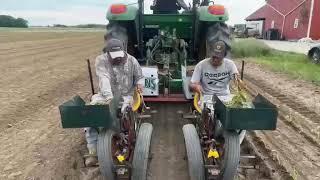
[9, 21]
[81, 26]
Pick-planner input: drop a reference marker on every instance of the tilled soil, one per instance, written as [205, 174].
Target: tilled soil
[38, 76]
[34, 83]
[33, 34]
[168, 153]
[299, 90]
[295, 144]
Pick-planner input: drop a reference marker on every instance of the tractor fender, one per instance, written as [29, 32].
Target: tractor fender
[204, 15]
[130, 14]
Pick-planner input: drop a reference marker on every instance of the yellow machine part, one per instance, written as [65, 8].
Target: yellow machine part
[197, 98]
[121, 158]
[213, 154]
[137, 101]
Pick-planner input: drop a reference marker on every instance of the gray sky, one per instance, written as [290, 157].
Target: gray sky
[240, 9]
[72, 12]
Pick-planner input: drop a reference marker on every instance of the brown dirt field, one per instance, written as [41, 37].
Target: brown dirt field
[168, 154]
[39, 74]
[305, 97]
[304, 92]
[7, 37]
[33, 84]
[289, 145]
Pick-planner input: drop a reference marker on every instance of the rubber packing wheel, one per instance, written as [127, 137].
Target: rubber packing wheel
[141, 152]
[194, 153]
[230, 155]
[105, 153]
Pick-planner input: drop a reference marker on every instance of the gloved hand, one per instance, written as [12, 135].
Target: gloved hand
[127, 101]
[99, 99]
[198, 88]
[140, 88]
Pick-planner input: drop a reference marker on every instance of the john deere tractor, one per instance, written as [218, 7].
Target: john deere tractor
[167, 42]
[171, 42]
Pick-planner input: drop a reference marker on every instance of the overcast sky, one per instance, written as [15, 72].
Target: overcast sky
[72, 12]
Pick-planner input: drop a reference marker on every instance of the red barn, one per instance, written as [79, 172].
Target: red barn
[294, 19]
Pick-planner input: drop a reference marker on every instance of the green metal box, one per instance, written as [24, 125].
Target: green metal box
[262, 117]
[76, 114]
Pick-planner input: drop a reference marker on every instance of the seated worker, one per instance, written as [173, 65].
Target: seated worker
[168, 6]
[213, 75]
[119, 74]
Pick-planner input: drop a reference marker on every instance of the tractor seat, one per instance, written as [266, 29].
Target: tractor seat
[165, 7]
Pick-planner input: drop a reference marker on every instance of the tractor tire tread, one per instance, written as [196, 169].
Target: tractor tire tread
[116, 31]
[194, 153]
[141, 152]
[232, 155]
[105, 155]
[219, 32]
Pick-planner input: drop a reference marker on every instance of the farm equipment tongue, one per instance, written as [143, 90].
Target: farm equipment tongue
[168, 46]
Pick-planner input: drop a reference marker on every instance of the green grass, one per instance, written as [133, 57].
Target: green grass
[295, 65]
[249, 48]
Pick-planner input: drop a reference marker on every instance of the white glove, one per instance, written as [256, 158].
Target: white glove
[127, 101]
[99, 99]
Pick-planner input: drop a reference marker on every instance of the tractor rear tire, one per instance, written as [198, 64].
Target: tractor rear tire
[217, 32]
[231, 157]
[194, 153]
[141, 152]
[116, 31]
[105, 159]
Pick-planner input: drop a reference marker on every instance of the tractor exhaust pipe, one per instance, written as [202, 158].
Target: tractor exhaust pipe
[90, 76]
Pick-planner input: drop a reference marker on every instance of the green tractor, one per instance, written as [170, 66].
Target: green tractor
[193, 30]
[168, 43]
[172, 42]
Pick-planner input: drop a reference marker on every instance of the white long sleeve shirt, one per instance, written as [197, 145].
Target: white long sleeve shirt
[118, 80]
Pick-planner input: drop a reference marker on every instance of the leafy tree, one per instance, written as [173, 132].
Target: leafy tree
[21, 22]
[9, 21]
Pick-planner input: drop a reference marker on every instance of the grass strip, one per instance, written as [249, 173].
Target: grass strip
[293, 64]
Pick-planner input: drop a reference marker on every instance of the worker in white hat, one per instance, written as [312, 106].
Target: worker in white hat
[118, 74]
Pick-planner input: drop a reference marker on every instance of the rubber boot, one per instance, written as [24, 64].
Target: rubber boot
[91, 159]
[91, 137]
[242, 135]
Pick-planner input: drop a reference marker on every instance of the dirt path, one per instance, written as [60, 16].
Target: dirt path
[41, 77]
[24, 49]
[293, 151]
[300, 90]
[33, 145]
[37, 79]
[10, 36]
[25, 92]
[290, 145]
[168, 150]
[300, 99]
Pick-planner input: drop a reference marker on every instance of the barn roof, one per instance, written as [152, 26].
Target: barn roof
[282, 6]
[260, 14]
